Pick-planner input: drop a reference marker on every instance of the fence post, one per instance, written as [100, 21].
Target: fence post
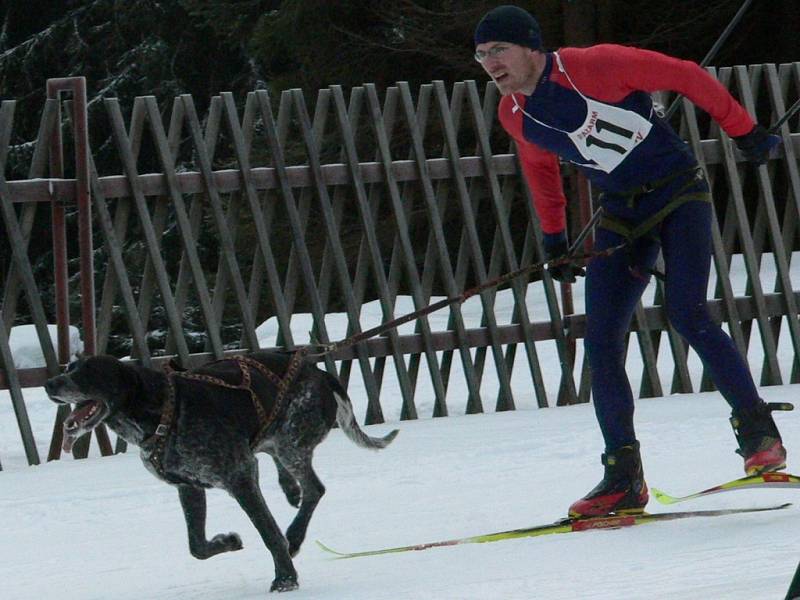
[79, 118]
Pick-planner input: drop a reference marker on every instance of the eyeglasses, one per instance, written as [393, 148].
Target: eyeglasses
[493, 52]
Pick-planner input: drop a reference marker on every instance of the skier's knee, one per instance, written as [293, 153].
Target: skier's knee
[691, 322]
[602, 348]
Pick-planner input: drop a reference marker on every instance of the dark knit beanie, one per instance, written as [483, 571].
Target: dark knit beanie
[509, 24]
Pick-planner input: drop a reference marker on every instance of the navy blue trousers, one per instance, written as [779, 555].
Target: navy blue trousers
[614, 285]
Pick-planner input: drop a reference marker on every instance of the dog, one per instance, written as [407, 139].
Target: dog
[202, 429]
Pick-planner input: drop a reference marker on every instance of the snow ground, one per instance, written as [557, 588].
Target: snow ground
[104, 528]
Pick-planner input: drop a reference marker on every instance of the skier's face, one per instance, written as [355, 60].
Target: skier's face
[513, 68]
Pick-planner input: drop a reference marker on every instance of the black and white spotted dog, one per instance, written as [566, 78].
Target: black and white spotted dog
[210, 435]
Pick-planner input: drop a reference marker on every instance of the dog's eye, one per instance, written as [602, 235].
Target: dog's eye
[72, 366]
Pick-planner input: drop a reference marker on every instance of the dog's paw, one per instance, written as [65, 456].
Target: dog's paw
[226, 542]
[284, 584]
[222, 542]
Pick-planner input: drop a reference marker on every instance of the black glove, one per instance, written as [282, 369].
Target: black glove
[756, 145]
[555, 247]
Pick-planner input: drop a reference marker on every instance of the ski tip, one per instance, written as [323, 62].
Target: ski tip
[330, 550]
[771, 508]
[663, 497]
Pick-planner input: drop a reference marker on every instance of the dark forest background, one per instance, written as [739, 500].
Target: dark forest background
[169, 47]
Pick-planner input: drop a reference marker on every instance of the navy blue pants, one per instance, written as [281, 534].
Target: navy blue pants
[613, 289]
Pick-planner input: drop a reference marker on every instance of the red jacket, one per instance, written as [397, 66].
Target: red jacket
[621, 77]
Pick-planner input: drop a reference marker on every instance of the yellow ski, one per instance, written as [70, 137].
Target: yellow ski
[562, 526]
[765, 480]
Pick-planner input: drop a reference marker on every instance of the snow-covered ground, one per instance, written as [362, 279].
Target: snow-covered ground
[104, 528]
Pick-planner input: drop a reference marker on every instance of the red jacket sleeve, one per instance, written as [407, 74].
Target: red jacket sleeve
[611, 72]
[541, 170]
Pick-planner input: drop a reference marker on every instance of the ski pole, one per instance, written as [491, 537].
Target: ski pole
[794, 586]
[713, 51]
[786, 116]
[587, 229]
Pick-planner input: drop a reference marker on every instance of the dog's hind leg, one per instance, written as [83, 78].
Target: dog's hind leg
[193, 502]
[244, 488]
[288, 483]
[298, 463]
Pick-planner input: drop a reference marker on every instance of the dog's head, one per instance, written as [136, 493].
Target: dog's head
[93, 385]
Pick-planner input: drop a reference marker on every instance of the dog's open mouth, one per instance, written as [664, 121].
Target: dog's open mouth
[85, 417]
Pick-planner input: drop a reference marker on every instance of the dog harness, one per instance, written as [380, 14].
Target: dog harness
[154, 447]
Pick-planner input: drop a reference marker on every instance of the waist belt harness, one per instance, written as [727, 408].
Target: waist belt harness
[680, 197]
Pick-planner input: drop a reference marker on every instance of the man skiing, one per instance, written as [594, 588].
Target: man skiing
[592, 107]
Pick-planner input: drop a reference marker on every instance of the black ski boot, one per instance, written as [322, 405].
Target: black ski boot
[622, 490]
[760, 443]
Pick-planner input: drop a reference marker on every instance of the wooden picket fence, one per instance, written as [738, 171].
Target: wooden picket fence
[369, 196]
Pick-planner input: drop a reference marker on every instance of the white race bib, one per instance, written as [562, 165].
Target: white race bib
[608, 134]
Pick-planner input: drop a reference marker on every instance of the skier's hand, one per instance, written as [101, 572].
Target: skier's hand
[757, 144]
[555, 247]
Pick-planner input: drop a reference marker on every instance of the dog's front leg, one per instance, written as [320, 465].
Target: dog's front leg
[193, 501]
[247, 493]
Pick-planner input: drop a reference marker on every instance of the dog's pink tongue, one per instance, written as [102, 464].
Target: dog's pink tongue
[68, 442]
[71, 426]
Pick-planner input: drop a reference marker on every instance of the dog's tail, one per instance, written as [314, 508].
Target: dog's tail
[347, 421]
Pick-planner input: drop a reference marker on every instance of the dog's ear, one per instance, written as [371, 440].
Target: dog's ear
[144, 380]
